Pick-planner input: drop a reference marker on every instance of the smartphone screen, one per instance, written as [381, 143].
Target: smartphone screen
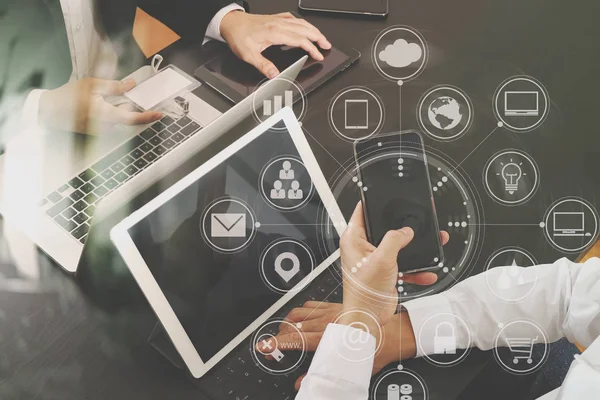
[397, 193]
[376, 7]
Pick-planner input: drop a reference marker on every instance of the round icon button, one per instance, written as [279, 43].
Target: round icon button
[571, 225]
[287, 93]
[511, 177]
[438, 339]
[400, 53]
[356, 113]
[278, 357]
[286, 184]
[228, 225]
[357, 335]
[513, 281]
[521, 103]
[445, 113]
[515, 347]
[286, 264]
[400, 384]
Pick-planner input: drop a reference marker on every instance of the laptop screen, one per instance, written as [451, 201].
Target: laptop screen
[232, 243]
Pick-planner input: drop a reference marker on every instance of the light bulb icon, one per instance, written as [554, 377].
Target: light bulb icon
[512, 174]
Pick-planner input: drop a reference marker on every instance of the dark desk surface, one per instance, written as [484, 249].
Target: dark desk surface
[55, 344]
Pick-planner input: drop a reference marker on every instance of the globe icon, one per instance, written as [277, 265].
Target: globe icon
[444, 113]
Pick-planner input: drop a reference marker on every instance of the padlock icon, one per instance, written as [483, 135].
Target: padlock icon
[444, 343]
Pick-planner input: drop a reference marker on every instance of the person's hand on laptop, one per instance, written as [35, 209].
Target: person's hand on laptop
[249, 35]
[79, 106]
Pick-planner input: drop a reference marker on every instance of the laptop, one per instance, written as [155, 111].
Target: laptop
[60, 222]
[218, 253]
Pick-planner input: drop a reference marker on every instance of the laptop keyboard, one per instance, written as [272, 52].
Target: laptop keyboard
[237, 377]
[72, 205]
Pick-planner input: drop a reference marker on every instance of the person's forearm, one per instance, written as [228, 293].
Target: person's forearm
[556, 297]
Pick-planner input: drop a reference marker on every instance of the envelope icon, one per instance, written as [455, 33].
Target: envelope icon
[228, 225]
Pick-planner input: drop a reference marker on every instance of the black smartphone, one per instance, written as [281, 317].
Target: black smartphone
[377, 8]
[396, 193]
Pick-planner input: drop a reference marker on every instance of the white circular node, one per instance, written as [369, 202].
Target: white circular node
[400, 289]
[354, 270]
[511, 177]
[520, 337]
[299, 325]
[285, 264]
[571, 225]
[400, 174]
[521, 104]
[542, 224]
[221, 217]
[400, 384]
[354, 179]
[514, 280]
[356, 113]
[265, 348]
[441, 348]
[400, 54]
[401, 161]
[356, 340]
[263, 109]
[445, 113]
[445, 269]
[285, 184]
[257, 225]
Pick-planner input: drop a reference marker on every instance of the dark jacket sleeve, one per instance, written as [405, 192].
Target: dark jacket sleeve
[188, 18]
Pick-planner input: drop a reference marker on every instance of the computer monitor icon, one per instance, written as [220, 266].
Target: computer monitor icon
[568, 223]
[521, 103]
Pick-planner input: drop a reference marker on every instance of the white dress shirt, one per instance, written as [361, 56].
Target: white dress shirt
[91, 54]
[562, 298]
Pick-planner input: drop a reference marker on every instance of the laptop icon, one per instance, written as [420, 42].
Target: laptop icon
[522, 103]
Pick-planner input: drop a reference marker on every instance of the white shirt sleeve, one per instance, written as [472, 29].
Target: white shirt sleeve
[339, 371]
[214, 27]
[563, 301]
[31, 107]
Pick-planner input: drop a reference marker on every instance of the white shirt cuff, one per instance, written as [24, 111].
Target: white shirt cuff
[421, 312]
[345, 353]
[214, 28]
[31, 109]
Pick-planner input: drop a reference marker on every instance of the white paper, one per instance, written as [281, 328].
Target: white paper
[160, 87]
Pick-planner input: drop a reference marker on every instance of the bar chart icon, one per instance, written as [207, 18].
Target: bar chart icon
[271, 107]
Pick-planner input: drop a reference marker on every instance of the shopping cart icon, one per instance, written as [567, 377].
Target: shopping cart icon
[521, 348]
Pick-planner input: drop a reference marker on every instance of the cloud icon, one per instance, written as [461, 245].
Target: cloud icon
[401, 54]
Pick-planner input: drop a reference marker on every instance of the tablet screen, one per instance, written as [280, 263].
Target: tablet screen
[243, 78]
[227, 247]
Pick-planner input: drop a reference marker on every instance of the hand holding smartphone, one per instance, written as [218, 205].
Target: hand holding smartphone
[397, 193]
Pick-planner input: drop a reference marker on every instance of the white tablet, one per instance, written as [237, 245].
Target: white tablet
[219, 252]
